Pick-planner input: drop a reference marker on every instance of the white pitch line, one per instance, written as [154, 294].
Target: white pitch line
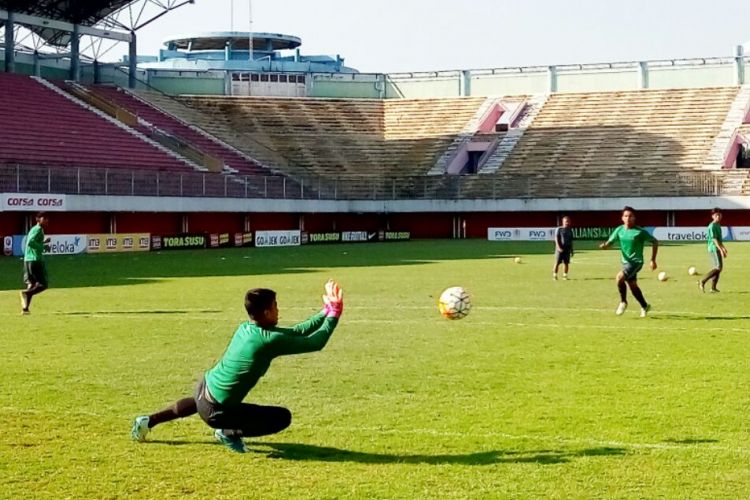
[527, 437]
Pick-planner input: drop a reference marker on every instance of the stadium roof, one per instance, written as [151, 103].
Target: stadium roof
[89, 13]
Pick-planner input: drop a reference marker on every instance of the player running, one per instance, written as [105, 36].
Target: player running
[631, 238]
[34, 268]
[563, 248]
[716, 251]
[218, 396]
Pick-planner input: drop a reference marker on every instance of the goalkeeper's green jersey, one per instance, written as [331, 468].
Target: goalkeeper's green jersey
[713, 233]
[631, 243]
[34, 244]
[252, 348]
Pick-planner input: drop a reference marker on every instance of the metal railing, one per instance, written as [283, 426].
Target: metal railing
[141, 182]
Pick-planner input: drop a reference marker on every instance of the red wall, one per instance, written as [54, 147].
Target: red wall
[215, 223]
[154, 223]
[421, 225]
[11, 223]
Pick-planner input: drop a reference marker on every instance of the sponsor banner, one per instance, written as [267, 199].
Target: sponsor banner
[394, 235]
[32, 202]
[178, 242]
[243, 239]
[740, 233]
[592, 233]
[358, 236]
[289, 238]
[59, 244]
[521, 233]
[104, 243]
[687, 234]
[314, 238]
[8, 245]
[219, 240]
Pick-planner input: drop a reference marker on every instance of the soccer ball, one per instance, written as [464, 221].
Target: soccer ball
[662, 276]
[517, 260]
[454, 303]
[692, 271]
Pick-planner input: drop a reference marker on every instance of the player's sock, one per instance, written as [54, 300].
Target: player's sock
[638, 294]
[622, 287]
[709, 276]
[181, 409]
[716, 279]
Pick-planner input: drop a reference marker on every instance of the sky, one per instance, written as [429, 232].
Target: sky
[389, 36]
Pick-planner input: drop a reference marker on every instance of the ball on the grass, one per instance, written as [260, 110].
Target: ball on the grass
[663, 276]
[517, 260]
[454, 303]
[692, 271]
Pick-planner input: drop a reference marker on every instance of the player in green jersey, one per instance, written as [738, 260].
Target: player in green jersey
[34, 268]
[631, 238]
[717, 252]
[218, 396]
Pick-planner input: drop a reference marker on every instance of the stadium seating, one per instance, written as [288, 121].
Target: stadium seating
[333, 138]
[232, 159]
[44, 128]
[610, 142]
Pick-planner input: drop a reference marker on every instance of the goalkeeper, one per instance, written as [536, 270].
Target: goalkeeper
[218, 396]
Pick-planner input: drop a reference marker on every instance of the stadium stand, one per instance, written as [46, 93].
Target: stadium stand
[233, 160]
[42, 127]
[331, 138]
[597, 143]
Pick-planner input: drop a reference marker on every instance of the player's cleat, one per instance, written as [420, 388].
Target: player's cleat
[714, 290]
[702, 286]
[236, 444]
[565, 277]
[554, 276]
[645, 310]
[621, 308]
[140, 429]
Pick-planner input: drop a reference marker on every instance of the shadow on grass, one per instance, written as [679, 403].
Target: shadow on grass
[694, 317]
[691, 441]
[293, 451]
[308, 452]
[139, 312]
[133, 269]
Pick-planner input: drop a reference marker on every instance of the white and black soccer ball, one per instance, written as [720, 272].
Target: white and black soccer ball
[454, 303]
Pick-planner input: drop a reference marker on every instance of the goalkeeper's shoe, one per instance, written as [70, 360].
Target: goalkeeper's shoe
[235, 444]
[140, 429]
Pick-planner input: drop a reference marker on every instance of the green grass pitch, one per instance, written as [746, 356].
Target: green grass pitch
[541, 392]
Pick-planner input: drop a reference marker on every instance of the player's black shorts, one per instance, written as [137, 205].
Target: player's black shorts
[630, 270]
[35, 272]
[562, 257]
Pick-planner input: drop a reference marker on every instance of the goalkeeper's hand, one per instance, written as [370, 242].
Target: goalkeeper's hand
[333, 299]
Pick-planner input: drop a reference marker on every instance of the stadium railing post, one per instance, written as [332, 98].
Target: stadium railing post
[78, 180]
[302, 189]
[132, 183]
[318, 187]
[157, 183]
[225, 186]
[49, 180]
[18, 178]
[265, 187]
[106, 181]
[335, 189]
[204, 184]
[245, 186]
[181, 190]
[283, 187]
